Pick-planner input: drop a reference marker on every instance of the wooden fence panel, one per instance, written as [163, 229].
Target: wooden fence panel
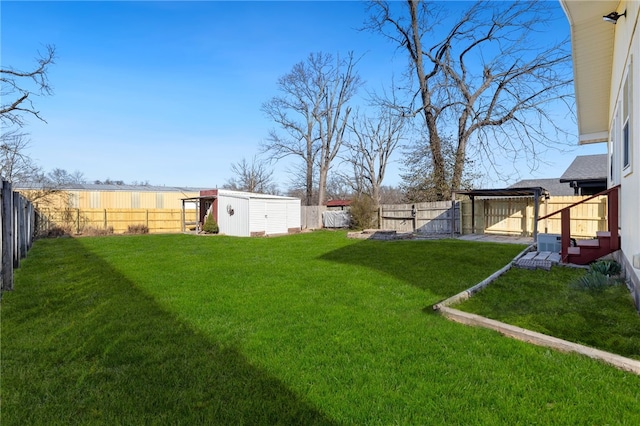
[424, 218]
[586, 219]
[311, 217]
[508, 216]
[515, 216]
[7, 236]
[17, 223]
[82, 220]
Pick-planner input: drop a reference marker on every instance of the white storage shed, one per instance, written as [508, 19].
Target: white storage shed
[245, 214]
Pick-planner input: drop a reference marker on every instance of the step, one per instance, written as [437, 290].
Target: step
[588, 243]
[573, 251]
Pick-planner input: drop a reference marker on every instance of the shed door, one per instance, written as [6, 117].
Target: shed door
[276, 217]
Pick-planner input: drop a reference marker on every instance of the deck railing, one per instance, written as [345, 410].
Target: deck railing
[612, 195]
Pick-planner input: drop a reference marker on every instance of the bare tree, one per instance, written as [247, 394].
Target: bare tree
[339, 187]
[62, 177]
[418, 177]
[298, 185]
[312, 113]
[19, 87]
[18, 167]
[374, 141]
[15, 163]
[492, 75]
[391, 195]
[251, 177]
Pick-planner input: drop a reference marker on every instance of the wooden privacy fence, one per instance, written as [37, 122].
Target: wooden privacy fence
[424, 218]
[18, 218]
[311, 216]
[81, 220]
[515, 216]
[503, 216]
[500, 216]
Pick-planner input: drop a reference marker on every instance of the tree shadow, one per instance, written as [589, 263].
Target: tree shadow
[441, 267]
[81, 344]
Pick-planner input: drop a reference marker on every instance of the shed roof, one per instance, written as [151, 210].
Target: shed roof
[586, 168]
[552, 185]
[338, 203]
[242, 194]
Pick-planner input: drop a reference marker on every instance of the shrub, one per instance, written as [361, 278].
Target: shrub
[363, 212]
[601, 274]
[55, 232]
[96, 232]
[138, 229]
[210, 225]
[606, 267]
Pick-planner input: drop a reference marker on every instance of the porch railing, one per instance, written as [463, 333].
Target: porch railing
[612, 220]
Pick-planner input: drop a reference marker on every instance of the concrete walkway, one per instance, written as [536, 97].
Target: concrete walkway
[497, 238]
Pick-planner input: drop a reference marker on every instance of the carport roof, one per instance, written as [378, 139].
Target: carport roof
[505, 192]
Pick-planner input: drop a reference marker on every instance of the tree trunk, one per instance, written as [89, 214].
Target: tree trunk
[435, 145]
[309, 183]
[458, 167]
[322, 185]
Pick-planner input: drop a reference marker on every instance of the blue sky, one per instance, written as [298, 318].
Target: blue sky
[170, 92]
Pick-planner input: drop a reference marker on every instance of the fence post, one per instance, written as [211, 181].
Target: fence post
[7, 236]
[31, 215]
[20, 206]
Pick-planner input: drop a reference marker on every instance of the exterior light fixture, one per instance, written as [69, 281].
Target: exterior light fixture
[613, 17]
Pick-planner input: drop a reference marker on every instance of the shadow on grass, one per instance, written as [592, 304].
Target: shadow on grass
[80, 344]
[441, 267]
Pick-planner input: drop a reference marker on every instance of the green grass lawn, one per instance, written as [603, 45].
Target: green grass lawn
[551, 303]
[305, 329]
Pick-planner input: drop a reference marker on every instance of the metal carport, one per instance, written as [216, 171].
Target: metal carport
[535, 192]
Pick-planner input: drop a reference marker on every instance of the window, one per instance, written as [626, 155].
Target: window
[626, 122]
[94, 199]
[135, 200]
[73, 200]
[615, 145]
[159, 200]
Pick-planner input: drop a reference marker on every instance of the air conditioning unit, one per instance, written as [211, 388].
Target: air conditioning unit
[549, 242]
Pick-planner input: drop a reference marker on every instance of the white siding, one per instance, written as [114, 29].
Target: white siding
[257, 216]
[293, 214]
[625, 69]
[236, 224]
[630, 182]
[276, 217]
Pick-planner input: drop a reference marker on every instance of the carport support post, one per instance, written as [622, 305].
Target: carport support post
[453, 214]
[182, 213]
[536, 211]
[473, 214]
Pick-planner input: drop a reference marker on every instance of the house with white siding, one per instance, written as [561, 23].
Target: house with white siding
[606, 61]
